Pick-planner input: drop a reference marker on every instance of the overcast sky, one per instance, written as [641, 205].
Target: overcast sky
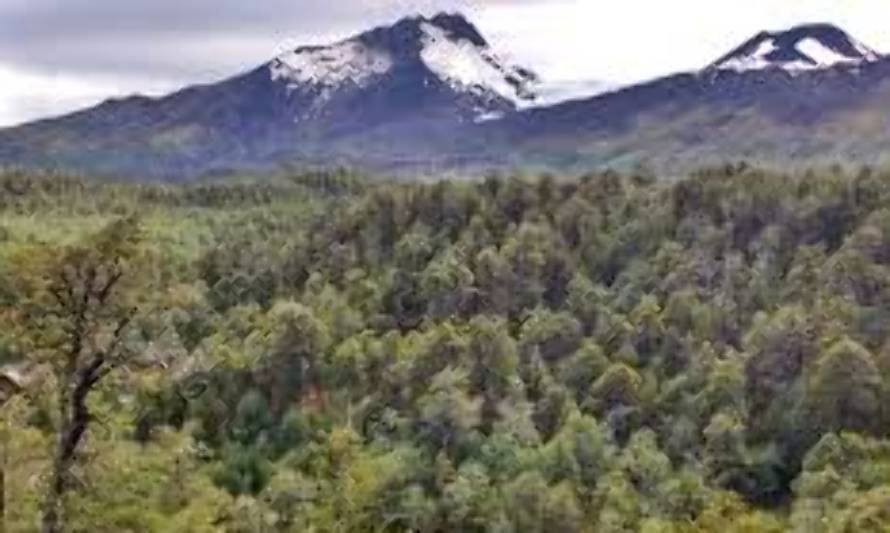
[60, 55]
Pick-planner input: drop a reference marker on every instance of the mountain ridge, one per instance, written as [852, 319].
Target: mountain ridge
[430, 94]
[826, 45]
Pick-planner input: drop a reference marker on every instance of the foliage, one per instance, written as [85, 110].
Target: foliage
[594, 354]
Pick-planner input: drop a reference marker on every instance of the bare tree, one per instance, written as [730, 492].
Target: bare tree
[84, 316]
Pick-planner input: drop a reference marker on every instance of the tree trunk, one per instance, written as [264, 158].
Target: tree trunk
[52, 505]
[52, 521]
[3, 486]
[53, 518]
[75, 419]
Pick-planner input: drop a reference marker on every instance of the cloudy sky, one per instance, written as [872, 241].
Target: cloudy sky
[59, 55]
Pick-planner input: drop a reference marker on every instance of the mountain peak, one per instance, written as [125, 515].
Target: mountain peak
[804, 47]
[445, 46]
[458, 27]
[408, 29]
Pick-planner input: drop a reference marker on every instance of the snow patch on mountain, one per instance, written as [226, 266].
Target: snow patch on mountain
[469, 67]
[331, 66]
[824, 56]
[756, 60]
[798, 49]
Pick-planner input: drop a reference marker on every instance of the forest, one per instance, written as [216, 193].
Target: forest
[320, 352]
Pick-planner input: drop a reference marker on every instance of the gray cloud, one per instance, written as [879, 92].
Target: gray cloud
[180, 39]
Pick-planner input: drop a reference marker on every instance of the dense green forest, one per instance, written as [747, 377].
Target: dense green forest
[323, 353]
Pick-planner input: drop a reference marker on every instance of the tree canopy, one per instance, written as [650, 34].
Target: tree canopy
[324, 353]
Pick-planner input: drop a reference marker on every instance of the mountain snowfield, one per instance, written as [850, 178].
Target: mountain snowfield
[429, 95]
[467, 66]
[327, 68]
[809, 47]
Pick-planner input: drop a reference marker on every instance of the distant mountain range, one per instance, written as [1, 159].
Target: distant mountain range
[429, 95]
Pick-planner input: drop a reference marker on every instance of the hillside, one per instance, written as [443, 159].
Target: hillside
[314, 353]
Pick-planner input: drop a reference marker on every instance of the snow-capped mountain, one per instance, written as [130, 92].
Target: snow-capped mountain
[444, 49]
[387, 97]
[803, 48]
[811, 95]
